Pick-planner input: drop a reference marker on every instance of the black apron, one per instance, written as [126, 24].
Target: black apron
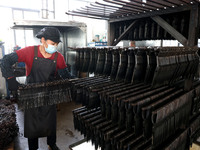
[41, 121]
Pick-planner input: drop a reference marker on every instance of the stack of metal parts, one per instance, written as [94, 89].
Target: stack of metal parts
[43, 94]
[140, 101]
[8, 125]
[149, 30]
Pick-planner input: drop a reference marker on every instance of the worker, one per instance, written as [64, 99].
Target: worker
[43, 63]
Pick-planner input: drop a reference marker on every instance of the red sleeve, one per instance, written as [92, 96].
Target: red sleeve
[26, 55]
[61, 62]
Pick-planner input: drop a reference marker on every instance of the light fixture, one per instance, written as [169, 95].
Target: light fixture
[126, 0]
[144, 1]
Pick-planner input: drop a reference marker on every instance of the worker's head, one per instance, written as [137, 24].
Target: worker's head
[50, 37]
[49, 33]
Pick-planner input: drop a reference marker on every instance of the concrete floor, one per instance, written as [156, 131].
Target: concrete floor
[66, 135]
[195, 147]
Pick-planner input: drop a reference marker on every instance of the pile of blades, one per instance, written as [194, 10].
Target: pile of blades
[43, 94]
[149, 30]
[8, 125]
[136, 100]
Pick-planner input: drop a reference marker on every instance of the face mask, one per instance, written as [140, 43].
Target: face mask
[51, 49]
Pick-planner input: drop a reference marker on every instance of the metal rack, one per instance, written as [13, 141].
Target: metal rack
[130, 115]
[140, 101]
[130, 13]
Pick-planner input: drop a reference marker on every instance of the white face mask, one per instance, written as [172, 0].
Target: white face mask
[51, 49]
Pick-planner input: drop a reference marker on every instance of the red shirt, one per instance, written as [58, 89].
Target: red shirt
[26, 55]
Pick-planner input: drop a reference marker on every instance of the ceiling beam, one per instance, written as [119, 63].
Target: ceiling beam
[139, 4]
[112, 6]
[91, 14]
[86, 16]
[124, 4]
[151, 14]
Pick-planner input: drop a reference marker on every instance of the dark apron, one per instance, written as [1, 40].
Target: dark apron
[41, 121]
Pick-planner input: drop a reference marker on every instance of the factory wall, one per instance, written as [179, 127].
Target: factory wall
[2, 79]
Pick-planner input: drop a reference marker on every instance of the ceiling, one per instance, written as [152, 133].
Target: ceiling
[114, 10]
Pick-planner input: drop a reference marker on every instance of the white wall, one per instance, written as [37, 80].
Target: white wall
[2, 79]
[5, 30]
[60, 9]
[94, 26]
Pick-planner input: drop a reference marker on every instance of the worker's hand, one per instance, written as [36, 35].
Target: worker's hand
[12, 84]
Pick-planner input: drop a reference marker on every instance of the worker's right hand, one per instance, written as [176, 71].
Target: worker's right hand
[12, 84]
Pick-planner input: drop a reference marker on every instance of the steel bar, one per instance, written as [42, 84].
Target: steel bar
[124, 8]
[151, 14]
[172, 3]
[87, 16]
[124, 33]
[99, 12]
[170, 30]
[92, 14]
[161, 3]
[148, 3]
[102, 7]
[140, 4]
[119, 2]
[175, 3]
[185, 2]
[116, 9]
[99, 9]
